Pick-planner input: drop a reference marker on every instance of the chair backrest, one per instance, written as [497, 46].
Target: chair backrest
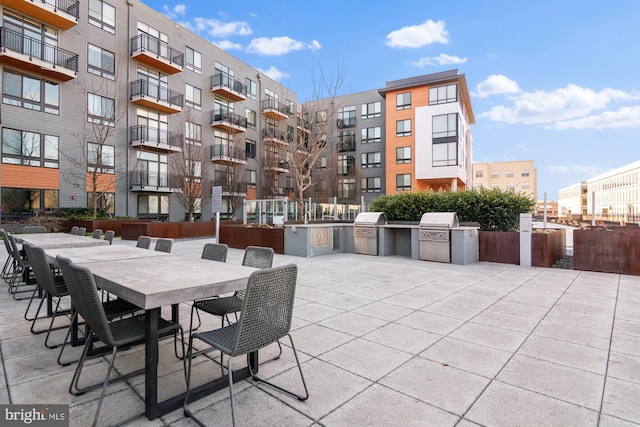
[144, 242]
[7, 245]
[267, 308]
[258, 257]
[215, 252]
[42, 269]
[82, 231]
[31, 229]
[74, 229]
[64, 264]
[164, 245]
[97, 233]
[108, 235]
[15, 251]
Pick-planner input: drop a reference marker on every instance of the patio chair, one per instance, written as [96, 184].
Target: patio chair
[108, 235]
[31, 229]
[144, 242]
[21, 274]
[10, 263]
[164, 245]
[74, 230]
[82, 231]
[115, 334]
[265, 318]
[51, 285]
[97, 233]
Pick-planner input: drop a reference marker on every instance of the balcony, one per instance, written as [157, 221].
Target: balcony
[225, 86]
[152, 96]
[303, 125]
[222, 118]
[273, 109]
[28, 54]
[222, 153]
[229, 187]
[277, 192]
[61, 14]
[276, 137]
[274, 163]
[348, 122]
[347, 144]
[144, 180]
[157, 54]
[155, 139]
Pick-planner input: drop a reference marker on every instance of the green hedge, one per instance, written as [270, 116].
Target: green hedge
[493, 209]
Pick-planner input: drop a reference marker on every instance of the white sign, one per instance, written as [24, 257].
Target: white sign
[216, 199]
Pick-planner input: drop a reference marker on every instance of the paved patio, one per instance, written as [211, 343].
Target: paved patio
[393, 341]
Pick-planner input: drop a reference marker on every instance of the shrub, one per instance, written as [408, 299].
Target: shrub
[493, 209]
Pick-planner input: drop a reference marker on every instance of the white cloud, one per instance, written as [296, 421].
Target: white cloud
[275, 74]
[216, 28]
[177, 12]
[576, 169]
[418, 35]
[442, 59]
[276, 46]
[552, 108]
[227, 45]
[496, 84]
[623, 118]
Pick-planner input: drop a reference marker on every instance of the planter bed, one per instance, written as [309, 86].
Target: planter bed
[611, 251]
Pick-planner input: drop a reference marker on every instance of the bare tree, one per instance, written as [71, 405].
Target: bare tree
[233, 176]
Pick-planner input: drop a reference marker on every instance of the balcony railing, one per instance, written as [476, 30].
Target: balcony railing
[150, 180]
[274, 108]
[234, 87]
[228, 185]
[71, 7]
[274, 162]
[160, 94]
[224, 115]
[347, 144]
[35, 48]
[227, 151]
[145, 135]
[149, 43]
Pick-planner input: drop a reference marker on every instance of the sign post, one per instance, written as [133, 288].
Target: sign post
[216, 207]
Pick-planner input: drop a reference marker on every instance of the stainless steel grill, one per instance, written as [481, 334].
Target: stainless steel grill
[434, 235]
[365, 232]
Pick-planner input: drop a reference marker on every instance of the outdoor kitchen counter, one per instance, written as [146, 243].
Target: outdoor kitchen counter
[399, 239]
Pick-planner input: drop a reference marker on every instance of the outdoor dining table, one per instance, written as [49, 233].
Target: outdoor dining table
[59, 240]
[151, 280]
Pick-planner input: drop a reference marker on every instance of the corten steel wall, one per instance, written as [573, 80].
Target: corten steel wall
[609, 251]
[241, 236]
[173, 230]
[504, 247]
[103, 224]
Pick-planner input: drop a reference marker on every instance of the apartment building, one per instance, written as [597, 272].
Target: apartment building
[572, 201]
[615, 195]
[520, 176]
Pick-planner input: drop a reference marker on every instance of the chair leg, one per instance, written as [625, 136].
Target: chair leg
[230, 375]
[104, 386]
[26, 312]
[187, 413]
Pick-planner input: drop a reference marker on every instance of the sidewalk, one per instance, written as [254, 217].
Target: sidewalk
[398, 342]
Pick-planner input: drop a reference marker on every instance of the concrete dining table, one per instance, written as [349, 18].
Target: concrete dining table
[59, 240]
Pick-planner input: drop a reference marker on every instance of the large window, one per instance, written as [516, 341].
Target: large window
[371, 185]
[17, 202]
[403, 101]
[252, 88]
[30, 37]
[30, 93]
[192, 170]
[346, 140]
[347, 117]
[250, 146]
[101, 62]
[403, 127]
[445, 125]
[403, 155]
[193, 133]
[345, 162]
[101, 158]
[252, 178]
[153, 206]
[371, 160]
[193, 60]
[445, 153]
[29, 148]
[153, 169]
[347, 188]
[252, 118]
[102, 15]
[193, 97]
[443, 94]
[403, 182]
[369, 135]
[100, 110]
[106, 201]
[372, 109]
[445, 140]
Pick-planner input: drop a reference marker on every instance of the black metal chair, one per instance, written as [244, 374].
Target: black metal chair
[164, 245]
[82, 231]
[20, 277]
[265, 318]
[115, 334]
[143, 242]
[109, 235]
[32, 229]
[10, 263]
[215, 252]
[74, 230]
[97, 233]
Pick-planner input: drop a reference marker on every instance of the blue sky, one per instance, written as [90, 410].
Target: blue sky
[557, 82]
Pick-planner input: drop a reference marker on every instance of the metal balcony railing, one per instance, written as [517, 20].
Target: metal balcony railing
[274, 104]
[228, 185]
[146, 42]
[37, 49]
[143, 178]
[146, 134]
[271, 161]
[226, 81]
[161, 94]
[70, 7]
[225, 115]
[223, 150]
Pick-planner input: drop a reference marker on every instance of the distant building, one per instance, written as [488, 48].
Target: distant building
[520, 176]
[551, 207]
[572, 201]
[617, 194]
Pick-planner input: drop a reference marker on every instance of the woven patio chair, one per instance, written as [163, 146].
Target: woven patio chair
[82, 231]
[20, 280]
[74, 230]
[164, 245]
[143, 242]
[97, 233]
[109, 235]
[265, 318]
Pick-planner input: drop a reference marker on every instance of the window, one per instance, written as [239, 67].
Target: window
[372, 109]
[403, 182]
[371, 160]
[444, 153]
[29, 148]
[347, 117]
[346, 140]
[322, 185]
[154, 126]
[153, 169]
[369, 135]
[321, 116]
[193, 97]
[192, 133]
[102, 15]
[403, 155]
[193, 60]
[252, 118]
[525, 172]
[445, 125]
[106, 201]
[192, 170]
[251, 178]
[323, 162]
[153, 206]
[510, 186]
[252, 88]
[30, 93]
[101, 62]
[30, 37]
[101, 158]
[508, 174]
[371, 185]
[291, 107]
[289, 185]
[495, 175]
[18, 202]
[403, 101]
[344, 163]
[100, 110]
[479, 174]
[525, 185]
[403, 127]
[347, 188]
[443, 94]
[250, 146]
